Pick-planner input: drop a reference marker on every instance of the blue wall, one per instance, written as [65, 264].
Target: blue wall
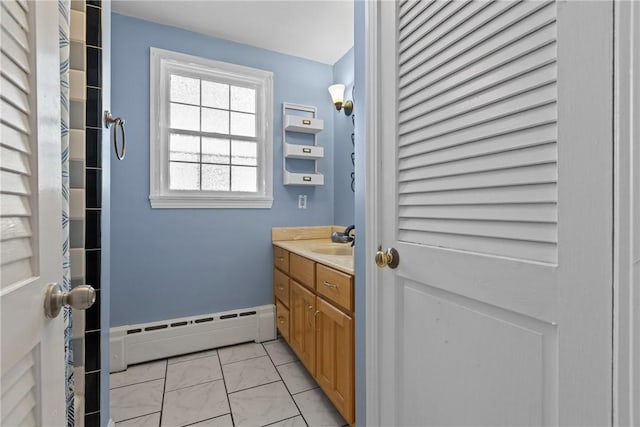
[342, 128]
[168, 263]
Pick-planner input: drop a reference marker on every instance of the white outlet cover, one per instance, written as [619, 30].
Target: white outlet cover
[302, 201]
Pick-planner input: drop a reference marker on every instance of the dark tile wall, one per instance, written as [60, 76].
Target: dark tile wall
[93, 197]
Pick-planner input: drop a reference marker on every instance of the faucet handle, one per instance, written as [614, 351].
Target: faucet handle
[338, 237]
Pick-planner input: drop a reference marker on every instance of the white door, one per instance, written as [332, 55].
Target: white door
[495, 188]
[33, 384]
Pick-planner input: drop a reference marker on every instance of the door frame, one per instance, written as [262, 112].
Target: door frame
[373, 207]
[626, 218]
[626, 214]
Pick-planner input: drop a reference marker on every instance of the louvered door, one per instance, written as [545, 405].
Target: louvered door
[32, 364]
[496, 130]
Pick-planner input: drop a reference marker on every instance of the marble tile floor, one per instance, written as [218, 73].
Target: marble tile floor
[250, 385]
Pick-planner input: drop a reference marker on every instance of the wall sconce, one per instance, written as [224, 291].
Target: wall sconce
[337, 96]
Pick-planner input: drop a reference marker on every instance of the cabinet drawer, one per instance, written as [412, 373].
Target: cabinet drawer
[302, 270]
[335, 286]
[282, 320]
[281, 258]
[281, 286]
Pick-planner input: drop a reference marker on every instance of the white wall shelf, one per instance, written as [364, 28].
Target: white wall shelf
[292, 178]
[297, 151]
[301, 119]
[293, 123]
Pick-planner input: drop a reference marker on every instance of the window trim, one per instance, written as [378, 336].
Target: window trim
[162, 62]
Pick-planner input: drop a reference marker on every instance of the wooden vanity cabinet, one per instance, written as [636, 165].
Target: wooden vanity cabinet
[302, 335]
[335, 357]
[315, 312]
[281, 259]
[281, 290]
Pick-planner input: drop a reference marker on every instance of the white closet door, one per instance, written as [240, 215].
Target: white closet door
[32, 364]
[496, 122]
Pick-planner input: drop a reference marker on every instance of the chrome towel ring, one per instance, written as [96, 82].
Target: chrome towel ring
[117, 123]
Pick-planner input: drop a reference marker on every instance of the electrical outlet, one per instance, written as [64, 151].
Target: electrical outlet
[302, 201]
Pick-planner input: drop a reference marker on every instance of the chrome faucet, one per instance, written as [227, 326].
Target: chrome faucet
[345, 236]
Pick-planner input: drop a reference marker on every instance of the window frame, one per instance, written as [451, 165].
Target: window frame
[163, 63]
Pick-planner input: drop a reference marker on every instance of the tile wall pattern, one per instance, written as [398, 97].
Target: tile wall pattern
[85, 175]
[243, 385]
[64, 12]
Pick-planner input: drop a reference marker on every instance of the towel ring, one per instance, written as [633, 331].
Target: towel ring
[117, 122]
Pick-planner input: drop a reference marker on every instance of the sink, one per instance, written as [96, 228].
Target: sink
[334, 250]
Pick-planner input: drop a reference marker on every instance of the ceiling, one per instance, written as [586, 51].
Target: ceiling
[320, 30]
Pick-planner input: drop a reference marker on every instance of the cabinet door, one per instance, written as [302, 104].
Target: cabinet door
[302, 333]
[335, 357]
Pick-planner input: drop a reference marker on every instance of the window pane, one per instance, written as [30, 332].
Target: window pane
[215, 121]
[243, 124]
[215, 150]
[184, 176]
[243, 99]
[184, 89]
[184, 147]
[184, 117]
[244, 178]
[215, 178]
[244, 153]
[215, 95]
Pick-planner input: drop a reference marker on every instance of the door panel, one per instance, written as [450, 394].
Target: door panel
[32, 368]
[490, 362]
[335, 357]
[302, 330]
[496, 164]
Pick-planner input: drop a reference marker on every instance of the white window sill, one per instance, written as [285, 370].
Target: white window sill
[186, 202]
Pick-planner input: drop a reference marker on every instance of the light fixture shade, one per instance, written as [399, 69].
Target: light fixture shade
[337, 93]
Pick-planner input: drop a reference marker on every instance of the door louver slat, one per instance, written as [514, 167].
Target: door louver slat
[477, 158]
[19, 394]
[15, 151]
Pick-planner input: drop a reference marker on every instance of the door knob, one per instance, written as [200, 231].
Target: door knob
[390, 258]
[81, 297]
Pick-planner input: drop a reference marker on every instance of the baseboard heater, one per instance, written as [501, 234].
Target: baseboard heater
[158, 340]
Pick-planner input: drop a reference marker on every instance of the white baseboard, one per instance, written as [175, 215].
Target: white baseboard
[157, 340]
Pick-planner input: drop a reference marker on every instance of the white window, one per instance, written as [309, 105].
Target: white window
[211, 134]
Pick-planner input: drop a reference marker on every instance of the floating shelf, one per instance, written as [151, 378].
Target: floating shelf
[296, 151]
[302, 124]
[291, 178]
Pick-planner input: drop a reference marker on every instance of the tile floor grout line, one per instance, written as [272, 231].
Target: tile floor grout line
[245, 360]
[256, 386]
[304, 391]
[192, 385]
[208, 419]
[286, 419]
[138, 416]
[195, 358]
[226, 392]
[242, 360]
[138, 383]
[285, 386]
[164, 393]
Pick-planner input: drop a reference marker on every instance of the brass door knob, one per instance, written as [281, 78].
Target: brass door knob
[389, 258]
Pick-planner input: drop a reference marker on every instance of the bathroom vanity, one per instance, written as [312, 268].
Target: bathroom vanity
[314, 297]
